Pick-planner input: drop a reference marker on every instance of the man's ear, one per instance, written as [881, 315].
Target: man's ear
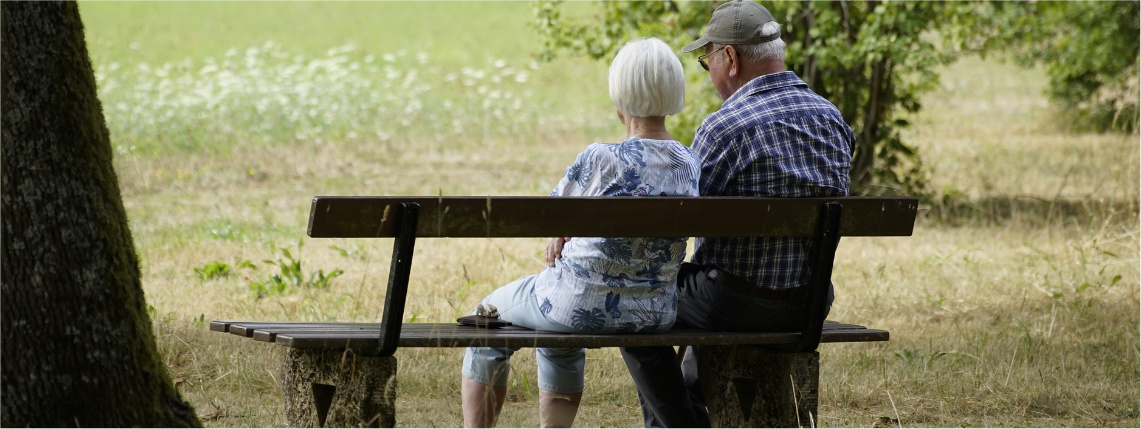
[732, 61]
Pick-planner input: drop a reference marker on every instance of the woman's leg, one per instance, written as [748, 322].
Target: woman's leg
[483, 389]
[484, 384]
[486, 368]
[481, 403]
[557, 410]
[561, 376]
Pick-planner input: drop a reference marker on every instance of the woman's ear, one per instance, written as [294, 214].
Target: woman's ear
[621, 116]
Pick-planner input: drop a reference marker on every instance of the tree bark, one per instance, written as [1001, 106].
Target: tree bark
[78, 346]
[808, 69]
[863, 163]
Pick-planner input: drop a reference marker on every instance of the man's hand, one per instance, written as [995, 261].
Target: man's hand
[555, 250]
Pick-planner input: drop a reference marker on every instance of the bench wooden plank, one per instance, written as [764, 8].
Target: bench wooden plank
[459, 337]
[364, 337]
[527, 338]
[250, 328]
[269, 333]
[247, 328]
[363, 217]
[230, 325]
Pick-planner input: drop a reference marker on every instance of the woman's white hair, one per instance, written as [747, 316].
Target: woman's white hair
[773, 50]
[646, 79]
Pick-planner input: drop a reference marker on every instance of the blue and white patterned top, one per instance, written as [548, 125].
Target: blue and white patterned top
[620, 284]
[774, 137]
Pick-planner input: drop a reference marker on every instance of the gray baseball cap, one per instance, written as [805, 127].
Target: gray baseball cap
[737, 22]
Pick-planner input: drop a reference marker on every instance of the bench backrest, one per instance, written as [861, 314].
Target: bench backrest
[406, 218]
[363, 217]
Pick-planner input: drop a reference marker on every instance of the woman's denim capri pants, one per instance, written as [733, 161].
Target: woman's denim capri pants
[560, 369]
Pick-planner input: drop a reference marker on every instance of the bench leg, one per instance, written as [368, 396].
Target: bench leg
[747, 386]
[331, 388]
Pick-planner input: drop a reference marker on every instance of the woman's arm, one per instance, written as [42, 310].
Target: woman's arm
[555, 249]
[572, 184]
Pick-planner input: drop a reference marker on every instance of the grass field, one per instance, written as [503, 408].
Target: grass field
[1016, 302]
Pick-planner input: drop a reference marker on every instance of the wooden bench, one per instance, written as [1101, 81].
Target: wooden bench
[344, 374]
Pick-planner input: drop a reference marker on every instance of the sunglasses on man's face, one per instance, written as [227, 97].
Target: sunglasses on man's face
[701, 59]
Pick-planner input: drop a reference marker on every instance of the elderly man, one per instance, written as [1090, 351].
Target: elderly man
[772, 137]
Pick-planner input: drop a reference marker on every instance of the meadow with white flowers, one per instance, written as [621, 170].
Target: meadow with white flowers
[1014, 304]
[263, 95]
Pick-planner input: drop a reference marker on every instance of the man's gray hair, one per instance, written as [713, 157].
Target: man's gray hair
[773, 50]
[646, 79]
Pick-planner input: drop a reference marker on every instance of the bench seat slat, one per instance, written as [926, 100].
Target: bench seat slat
[363, 337]
[247, 329]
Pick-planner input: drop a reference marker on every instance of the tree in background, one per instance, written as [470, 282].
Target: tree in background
[875, 59]
[869, 58]
[1089, 50]
[78, 346]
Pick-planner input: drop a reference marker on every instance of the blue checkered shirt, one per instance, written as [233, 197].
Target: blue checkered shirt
[774, 137]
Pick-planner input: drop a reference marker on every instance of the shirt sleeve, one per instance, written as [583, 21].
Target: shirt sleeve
[577, 178]
[717, 161]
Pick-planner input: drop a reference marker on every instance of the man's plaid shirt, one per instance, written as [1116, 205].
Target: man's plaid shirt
[774, 137]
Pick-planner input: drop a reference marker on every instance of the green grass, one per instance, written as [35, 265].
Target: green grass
[1014, 304]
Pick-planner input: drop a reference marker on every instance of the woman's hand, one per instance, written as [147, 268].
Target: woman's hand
[555, 250]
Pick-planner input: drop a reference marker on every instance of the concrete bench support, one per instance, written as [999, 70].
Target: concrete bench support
[744, 386]
[334, 388]
[748, 386]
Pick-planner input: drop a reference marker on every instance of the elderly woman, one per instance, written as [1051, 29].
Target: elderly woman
[591, 284]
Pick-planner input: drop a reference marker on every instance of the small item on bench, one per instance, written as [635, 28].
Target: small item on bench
[486, 316]
[487, 310]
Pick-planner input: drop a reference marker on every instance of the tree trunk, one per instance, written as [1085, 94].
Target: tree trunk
[863, 163]
[808, 68]
[78, 347]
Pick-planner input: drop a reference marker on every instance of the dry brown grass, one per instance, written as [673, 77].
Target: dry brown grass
[1005, 307]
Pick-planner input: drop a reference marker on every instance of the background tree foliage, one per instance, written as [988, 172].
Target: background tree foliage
[1089, 50]
[875, 59]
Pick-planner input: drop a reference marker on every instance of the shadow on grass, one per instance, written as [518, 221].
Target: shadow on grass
[1028, 211]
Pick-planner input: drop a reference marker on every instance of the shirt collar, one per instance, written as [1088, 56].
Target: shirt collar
[768, 82]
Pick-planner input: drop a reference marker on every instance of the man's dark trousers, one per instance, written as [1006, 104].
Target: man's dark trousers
[670, 394]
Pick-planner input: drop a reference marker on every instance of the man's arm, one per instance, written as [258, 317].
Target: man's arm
[717, 161]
